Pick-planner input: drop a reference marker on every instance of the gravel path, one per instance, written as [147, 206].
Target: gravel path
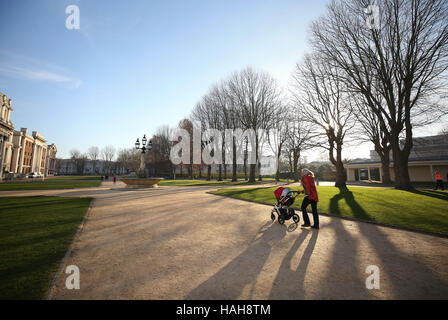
[182, 243]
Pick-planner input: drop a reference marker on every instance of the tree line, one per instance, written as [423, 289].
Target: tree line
[362, 80]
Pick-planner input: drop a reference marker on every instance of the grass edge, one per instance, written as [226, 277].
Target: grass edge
[382, 224]
[55, 275]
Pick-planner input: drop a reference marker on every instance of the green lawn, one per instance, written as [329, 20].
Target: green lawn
[35, 233]
[51, 183]
[62, 178]
[202, 182]
[419, 209]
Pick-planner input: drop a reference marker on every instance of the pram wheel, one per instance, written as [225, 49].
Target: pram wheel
[272, 216]
[281, 220]
[296, 218]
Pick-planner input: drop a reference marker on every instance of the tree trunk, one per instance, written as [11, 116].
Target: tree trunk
[385, 167]
[209, 172]
[291, 171]
[340, 181]
[234, 165]
[253, 167]
[245, 161]
[295, 160]
[383, 150]
[223, 155]
[403, 174]
[385, 171]
[401, 170]
[220, 172]
[401, 157]
[252, 170]
[277, 171]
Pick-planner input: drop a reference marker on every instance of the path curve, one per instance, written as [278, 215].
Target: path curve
[183, 243]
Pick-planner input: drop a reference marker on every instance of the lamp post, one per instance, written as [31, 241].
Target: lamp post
[144, 146]
[142, 180]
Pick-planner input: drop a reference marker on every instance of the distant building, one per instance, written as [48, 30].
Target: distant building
[6, 132]
[50, 167]
[429, 154]
[86, 167]
[30, 152]
[21, 152]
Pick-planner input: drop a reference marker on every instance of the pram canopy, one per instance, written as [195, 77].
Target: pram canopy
[281, 192]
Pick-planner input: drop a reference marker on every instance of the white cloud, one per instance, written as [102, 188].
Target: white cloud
[37, 74]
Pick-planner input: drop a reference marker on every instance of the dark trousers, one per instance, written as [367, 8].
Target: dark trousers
[439, 184]
[305, 204]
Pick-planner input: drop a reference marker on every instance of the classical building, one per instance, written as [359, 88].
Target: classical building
[21, 152]
[429, 155]
[51, 161]
[30, 152]
[81, 167]
[6, 133]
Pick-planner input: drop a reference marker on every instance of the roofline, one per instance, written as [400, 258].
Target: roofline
[354, 164]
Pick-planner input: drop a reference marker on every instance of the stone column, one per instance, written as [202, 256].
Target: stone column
[2, 155]
[8, 158]
[47, 159]
[14, 158]
[33, 157]
[22, 155]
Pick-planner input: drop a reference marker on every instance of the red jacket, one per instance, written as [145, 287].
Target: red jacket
[439, 176]
[310, 187]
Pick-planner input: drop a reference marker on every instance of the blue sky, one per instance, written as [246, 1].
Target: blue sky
[135, 65]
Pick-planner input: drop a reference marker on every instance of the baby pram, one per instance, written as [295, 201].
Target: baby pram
[285, 199]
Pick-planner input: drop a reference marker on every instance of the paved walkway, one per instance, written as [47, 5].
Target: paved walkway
[182, 243]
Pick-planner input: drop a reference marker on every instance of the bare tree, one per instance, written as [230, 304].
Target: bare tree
[228, 114]
[321, 94]
[216, 103]
[187, 125]
[79, 160]
[128, 160]
[371, 130]
[232, 119]
[161, 147]
[256, 94]
[108, 153]
[404, 59]
[299, 138]
[93, 153]
[208, 114]
[200, 115]
[278, 135]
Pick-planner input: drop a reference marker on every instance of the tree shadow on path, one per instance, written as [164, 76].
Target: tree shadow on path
[407, 276]
[289, 284]
[232, 279]
[342, 277]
